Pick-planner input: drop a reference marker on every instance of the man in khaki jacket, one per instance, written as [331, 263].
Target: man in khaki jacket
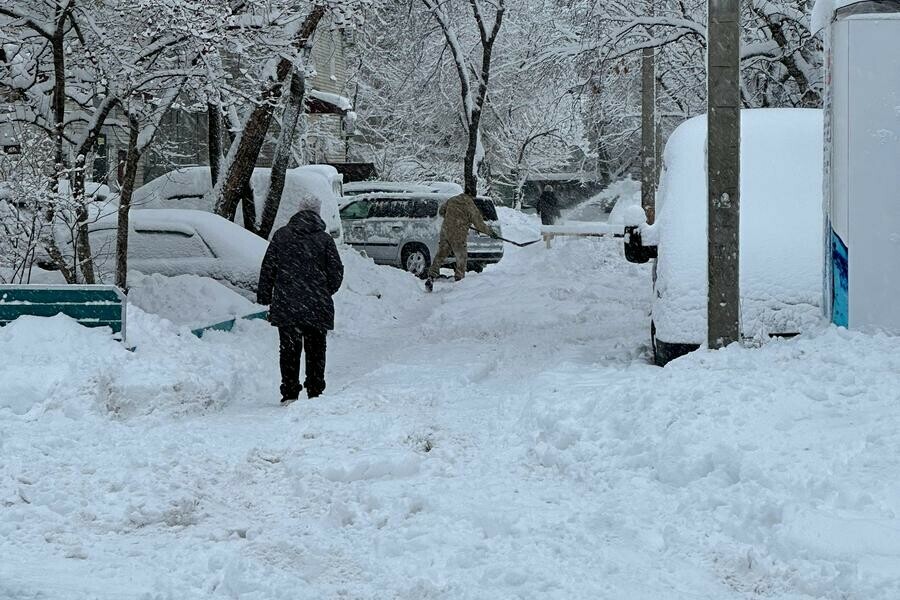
[459, 213]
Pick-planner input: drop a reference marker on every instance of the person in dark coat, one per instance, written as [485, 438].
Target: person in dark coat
[300, 273]
[548, 206]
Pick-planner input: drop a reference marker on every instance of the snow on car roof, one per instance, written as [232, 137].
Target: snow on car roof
[401, 196]
[226, 238]
[446, 187]
[824, 11]
[217, 231]
[190, 187]
[781, 225]
[196, 183]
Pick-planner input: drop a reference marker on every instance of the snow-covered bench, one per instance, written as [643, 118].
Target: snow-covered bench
[548, 232]
[228, 324]
[90, 305]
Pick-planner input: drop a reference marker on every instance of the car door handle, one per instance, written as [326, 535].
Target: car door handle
[397, 227]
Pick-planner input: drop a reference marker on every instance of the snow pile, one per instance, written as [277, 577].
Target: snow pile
[608, 204]
[56, 364]
[781, 226]
[582, 279]
[518, 226]
[187, 299]
[371, 294]
[774, 465]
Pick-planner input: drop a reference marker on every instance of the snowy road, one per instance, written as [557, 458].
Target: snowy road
[503, 438]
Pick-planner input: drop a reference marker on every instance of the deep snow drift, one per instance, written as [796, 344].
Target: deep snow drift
[500, 438]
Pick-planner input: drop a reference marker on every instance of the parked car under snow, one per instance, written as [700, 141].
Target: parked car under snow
[780, 237]
[177, 242]
[190, 187]
[403, 230]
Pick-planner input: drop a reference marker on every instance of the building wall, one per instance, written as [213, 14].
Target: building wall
[325, 140]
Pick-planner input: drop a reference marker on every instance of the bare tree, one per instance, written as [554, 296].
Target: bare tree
[474, 94]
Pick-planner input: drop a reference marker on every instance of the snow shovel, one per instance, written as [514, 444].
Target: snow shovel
[503, 239]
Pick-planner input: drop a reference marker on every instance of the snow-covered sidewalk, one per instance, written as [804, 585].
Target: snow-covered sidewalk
[501, 438]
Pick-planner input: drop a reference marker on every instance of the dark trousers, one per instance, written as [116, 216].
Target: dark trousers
[291, 342]
[548, 219]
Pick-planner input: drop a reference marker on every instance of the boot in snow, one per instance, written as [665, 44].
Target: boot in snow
[429, 285]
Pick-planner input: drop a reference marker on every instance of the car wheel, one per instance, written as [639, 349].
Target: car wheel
[416, 259]
[475, 267]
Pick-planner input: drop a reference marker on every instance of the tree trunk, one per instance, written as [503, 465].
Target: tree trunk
[131, 167]
[83, 253]
[248, 207]
[214, 139]
[470, 169]
[470, 178]
[242, 160]
[59, 117]
[289, 121]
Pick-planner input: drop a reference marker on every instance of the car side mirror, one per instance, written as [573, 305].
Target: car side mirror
[635, 250]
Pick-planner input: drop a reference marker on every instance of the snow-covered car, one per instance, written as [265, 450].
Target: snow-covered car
[403, 230]
[190, 187]
[780, 235]
[358, 188]
[178, 242]
[98, 194]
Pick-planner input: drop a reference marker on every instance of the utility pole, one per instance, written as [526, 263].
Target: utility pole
[649, 179]
[723, 172]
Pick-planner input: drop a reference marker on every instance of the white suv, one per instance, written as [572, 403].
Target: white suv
[403, 230]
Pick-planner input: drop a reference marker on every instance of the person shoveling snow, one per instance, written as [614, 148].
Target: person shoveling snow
[459, 214]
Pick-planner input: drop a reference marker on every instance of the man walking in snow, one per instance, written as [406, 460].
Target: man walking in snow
[459, 214]
[300, 273]
[548, 206]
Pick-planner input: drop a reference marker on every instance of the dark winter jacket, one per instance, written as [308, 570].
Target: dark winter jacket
[547, 205]
[302, 270]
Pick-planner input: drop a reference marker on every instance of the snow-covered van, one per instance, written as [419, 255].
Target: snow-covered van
[780, 235]
[189, 188]
[403, 230]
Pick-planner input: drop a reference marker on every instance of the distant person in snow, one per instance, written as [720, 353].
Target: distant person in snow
[300, 273]
[548, 206]
[459, 214]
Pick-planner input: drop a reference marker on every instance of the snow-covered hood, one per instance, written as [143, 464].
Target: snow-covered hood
[781, 226]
